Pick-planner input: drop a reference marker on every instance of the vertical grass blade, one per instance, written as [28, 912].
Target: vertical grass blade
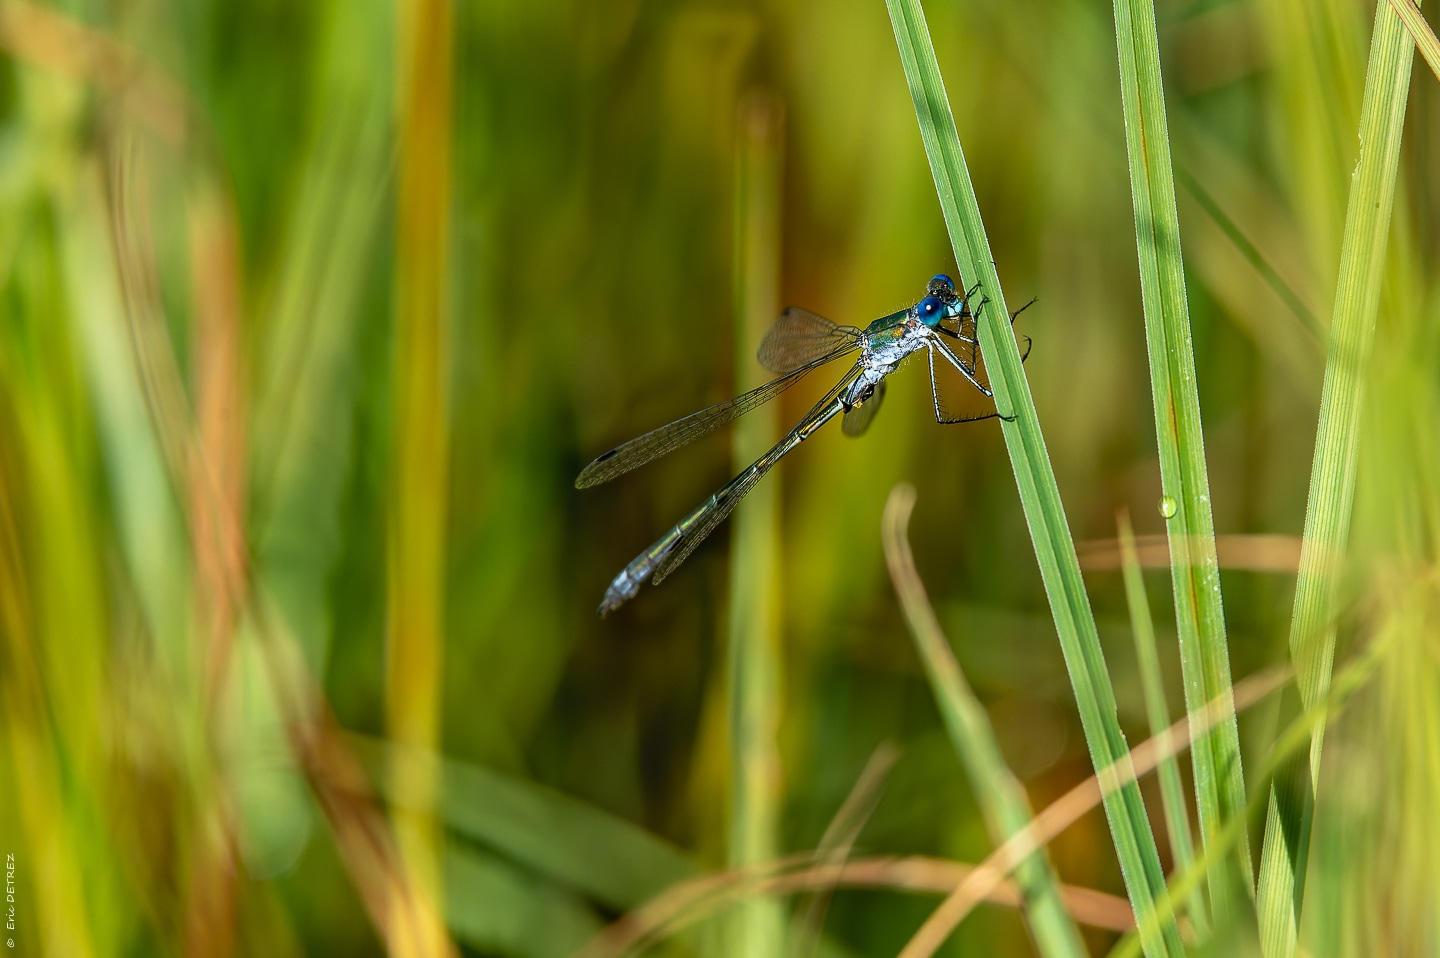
[998, 792]
[1157, 711]
[1034, 475]
[757, 927]
[1194, 567]
[416, 562]
[51, 681]
[1332, 478]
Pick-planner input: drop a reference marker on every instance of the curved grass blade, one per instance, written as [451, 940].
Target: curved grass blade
[682, 432]
[1332, 479]
[1034, 476]
[1194, 566]
[998, 792]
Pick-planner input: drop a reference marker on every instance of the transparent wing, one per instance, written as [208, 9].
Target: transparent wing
[658, 442]
[799, 337]
[858, 419]
[705, 519]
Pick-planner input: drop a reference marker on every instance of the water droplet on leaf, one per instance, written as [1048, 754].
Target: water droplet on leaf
[1168, 506]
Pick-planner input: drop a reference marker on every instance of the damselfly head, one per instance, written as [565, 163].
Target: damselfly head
[942, 287]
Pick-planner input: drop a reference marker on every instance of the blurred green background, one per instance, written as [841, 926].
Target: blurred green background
[304, 337]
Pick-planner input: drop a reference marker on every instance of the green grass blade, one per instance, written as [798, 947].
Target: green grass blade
[1157, 711]
[1332, 478]
[1195, 568]
[1034, 474]
[500, 908]
[757, 926]
[549, 833]
[613, 861]
[999, 793]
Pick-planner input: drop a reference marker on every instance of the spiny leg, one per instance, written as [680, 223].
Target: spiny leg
[935, 389]
[935, 395]
[966, 371]
[985, 301]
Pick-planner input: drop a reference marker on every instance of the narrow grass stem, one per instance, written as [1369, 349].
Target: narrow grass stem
[1157, 710]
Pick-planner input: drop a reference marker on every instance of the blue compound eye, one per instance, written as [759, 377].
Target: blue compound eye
[930, 311]
[940, 279]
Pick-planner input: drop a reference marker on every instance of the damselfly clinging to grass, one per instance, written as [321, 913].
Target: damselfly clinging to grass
[798, 342]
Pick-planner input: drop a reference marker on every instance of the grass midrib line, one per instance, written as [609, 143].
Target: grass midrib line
[1054, 547]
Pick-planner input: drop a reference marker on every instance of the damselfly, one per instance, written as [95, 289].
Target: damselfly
[798, 342]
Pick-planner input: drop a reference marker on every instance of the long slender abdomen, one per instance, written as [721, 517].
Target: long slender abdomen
[625, 585]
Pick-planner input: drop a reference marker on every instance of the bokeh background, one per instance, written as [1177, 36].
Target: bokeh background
[310, 313]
